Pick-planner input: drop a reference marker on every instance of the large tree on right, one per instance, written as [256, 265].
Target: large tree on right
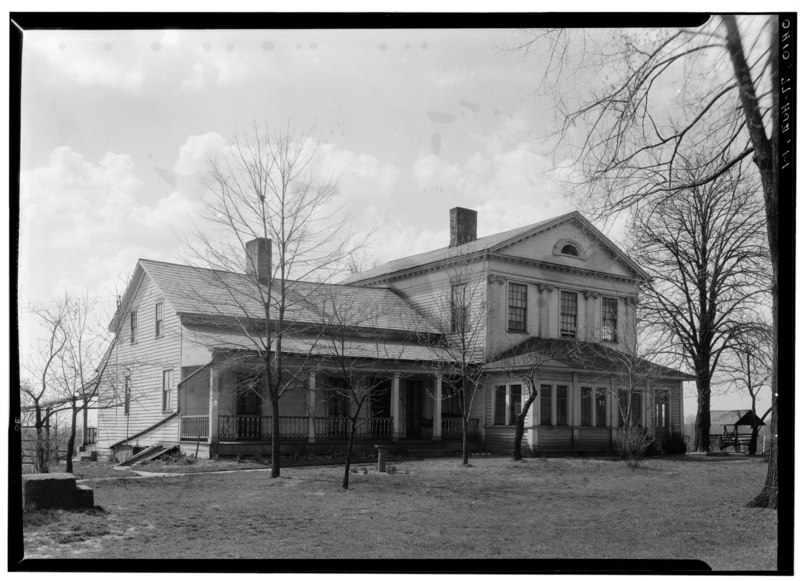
[632, 100]
[704, 250]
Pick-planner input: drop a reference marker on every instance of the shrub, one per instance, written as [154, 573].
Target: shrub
[673, 444]
[633, 444]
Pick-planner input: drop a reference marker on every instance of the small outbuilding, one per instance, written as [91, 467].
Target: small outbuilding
[733, 428]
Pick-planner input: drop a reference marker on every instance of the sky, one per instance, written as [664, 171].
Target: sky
[118, 126]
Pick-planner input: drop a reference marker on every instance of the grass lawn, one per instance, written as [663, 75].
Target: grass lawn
[577, 508]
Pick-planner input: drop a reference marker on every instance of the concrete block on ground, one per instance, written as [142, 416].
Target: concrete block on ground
[59, 490]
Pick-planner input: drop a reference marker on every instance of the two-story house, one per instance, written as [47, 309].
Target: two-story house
[555, 300]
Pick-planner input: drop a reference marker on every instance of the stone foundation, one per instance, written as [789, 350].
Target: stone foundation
[55, 491]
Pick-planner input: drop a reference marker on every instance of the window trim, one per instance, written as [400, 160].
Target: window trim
[463, 310]
[133, 325]
[561, 315]
[615, 338]
[524, 309]
[159, 317]
[166, 394]
[126, 401]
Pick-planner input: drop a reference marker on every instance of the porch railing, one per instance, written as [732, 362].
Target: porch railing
[194, 427]
[339, 428]
[260, 427]
[451, 428]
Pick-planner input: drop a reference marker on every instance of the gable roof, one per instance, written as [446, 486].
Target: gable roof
[735, 417]
[489, 244]
[204, 292]
[571, 354]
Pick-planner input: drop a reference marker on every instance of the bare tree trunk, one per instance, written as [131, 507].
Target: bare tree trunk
[766, 158]
[702, 422]
[348, 455]
[275, 472]
[520, 428]
[464, 451]
[71, 440]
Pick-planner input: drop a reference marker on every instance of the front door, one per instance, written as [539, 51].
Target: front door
[414, 401]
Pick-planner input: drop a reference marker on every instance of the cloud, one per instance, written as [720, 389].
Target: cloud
[76, 216]
[198, 150]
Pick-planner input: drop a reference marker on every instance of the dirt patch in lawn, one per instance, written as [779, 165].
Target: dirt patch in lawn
[91, 470]
[541, 508]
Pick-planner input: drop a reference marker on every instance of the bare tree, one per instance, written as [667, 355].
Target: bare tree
[748, 365]
[460, 312]
[40, 396]
[266, 189]
[81, 364]
[703, 247]
[628, 132]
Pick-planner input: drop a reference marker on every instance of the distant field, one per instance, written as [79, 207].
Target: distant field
[689, 508]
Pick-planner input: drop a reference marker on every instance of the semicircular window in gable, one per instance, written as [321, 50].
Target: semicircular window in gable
[570, 250]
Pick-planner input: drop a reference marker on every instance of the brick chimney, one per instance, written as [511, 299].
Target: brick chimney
[258, 258]
[463, 226]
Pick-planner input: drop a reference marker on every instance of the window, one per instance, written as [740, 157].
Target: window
[166, 400]
[634, 412]
[546, 417]
[127, 401]
[459, 311]
[600, 408]
[609, 320]
[159, 319]
[586, 406]
[507, 404]
[133, 327]
[517, 307]
[515, 394]
[500, 405]
[570, 250]
[562, 405]
[569, 314]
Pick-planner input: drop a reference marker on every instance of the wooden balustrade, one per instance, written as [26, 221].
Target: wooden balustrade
[194, 427]
[452, 428]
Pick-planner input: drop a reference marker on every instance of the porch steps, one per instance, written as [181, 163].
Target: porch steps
[149, 454]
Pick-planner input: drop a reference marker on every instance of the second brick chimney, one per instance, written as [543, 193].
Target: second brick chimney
[258, 258]
[463, 226]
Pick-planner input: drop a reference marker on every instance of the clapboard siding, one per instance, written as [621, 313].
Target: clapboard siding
[501, 439]
[555, 438]
[430, 293]
[146, 359]
[591, 439]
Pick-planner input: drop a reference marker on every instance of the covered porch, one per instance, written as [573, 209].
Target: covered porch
[217, 413]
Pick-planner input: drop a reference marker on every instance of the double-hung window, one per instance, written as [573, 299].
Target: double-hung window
[562, 405]
[134, 324]
[600, 408]
[166, 399]
[459, 309]
[507, 404]
[569, 314]
[586, 406]
[609, 320]
[517, 307]
[159, 319]
[630, 407]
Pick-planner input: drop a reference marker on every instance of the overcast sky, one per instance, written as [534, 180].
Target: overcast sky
[118, 125]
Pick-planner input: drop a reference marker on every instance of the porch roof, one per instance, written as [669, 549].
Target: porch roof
[360, 347]
[571, 354]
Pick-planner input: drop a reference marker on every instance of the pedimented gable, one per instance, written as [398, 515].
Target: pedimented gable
[574, 243]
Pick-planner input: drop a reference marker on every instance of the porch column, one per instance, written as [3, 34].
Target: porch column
[395, 407]
[437, 408]
[213, 403]
[312, 406]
